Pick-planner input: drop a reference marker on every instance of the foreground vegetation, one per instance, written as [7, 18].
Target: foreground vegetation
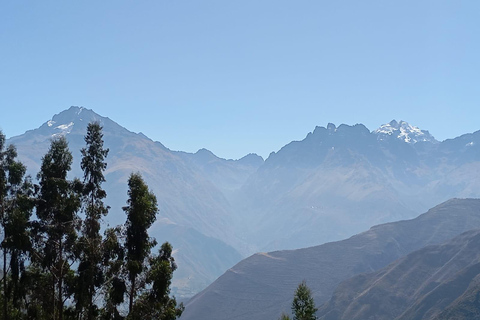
[303, 305]
[57, 265]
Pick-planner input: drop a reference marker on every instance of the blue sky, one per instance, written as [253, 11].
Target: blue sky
[241, 76]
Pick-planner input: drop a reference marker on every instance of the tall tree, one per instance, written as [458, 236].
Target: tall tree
[144, 278]
[3, 195]
[141, 213]
[90, 276]
[57, 207]
[114, 286]
[16, 205]
[303, 305]
[156, 302]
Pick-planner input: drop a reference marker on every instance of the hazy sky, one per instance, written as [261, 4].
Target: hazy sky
[241, 76]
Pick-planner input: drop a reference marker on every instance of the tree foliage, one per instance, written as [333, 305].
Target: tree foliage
[303, 305]
[58, 266]
[141, 214]
[113, 261]
[156, 303]
[16, 205]
[284, 316]
[57, 206]
[90, 272]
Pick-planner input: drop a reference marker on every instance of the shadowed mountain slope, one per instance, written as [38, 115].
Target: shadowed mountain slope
[467, 306]
[418, 286]
[262, 286]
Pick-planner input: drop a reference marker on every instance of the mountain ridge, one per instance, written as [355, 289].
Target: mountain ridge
[418, 286]
[262, 285]
[185, 195]
[336, 182]
[404, 131]
[347, 169]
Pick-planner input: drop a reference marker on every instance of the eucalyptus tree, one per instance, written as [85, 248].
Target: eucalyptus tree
[58, 203]
[141, 213]
[114, 286]
[3, 195]
[132, 271]
[16, 206]
[90, 275]
[156, 303]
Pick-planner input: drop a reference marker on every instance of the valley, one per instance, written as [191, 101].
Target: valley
[335, 183]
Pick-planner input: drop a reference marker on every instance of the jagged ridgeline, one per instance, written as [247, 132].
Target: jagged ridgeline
[337, 182]
[56, 262]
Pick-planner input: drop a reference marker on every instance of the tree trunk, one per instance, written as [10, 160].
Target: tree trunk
[91, 291]
[54, 296]
[132, 293]
[5, 300]
[60, 283]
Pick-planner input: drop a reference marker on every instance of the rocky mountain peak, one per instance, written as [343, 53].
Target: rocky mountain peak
[252, 159]
[404, 131]
[204, 156]
[75, 118]
[331, 128]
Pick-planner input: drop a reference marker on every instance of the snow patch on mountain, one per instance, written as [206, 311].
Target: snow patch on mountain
[64, 129]
[403, 131]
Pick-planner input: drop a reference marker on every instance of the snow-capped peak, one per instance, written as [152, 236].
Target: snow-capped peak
[404, 131]
[63, 129]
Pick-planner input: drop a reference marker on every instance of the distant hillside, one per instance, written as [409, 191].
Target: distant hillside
[335, 183]
[467, 306]
[198, 257]
[341, 180]
[262, 286]
[433, 281]
[186, 196]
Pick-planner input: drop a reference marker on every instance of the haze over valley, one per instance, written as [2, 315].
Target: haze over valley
[336, 182]
[257, 160]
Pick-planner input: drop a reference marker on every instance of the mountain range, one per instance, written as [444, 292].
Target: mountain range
[339, 181]
[336, 182]
[189, 202]
[436, 282]
[262, 286]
